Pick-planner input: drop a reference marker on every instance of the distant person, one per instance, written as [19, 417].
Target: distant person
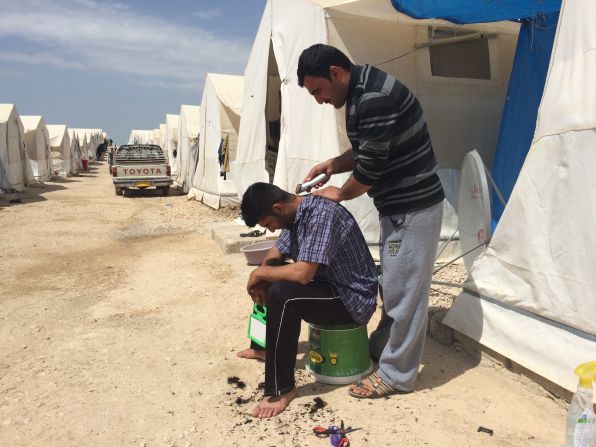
[333, 279]
[391, 159]
[111, 153]
[100, 150]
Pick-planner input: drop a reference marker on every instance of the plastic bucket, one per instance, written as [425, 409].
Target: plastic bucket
[85, 164]
[338, 355]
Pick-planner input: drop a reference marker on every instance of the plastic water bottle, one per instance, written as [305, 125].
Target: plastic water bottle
[582, 400]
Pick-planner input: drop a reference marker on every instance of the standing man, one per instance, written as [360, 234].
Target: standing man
[331, 281]
[111, 152]
[392, 160]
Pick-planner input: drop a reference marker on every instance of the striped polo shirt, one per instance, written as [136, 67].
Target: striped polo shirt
[326, 233]
[390, 143]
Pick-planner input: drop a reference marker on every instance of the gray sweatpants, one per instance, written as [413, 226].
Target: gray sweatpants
[408, 250]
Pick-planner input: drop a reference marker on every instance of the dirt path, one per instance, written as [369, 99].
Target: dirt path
[119, 319]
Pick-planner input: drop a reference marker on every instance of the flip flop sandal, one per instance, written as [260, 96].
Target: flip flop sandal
[379, 388]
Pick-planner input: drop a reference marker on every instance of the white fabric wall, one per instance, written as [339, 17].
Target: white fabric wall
[13, 156]
[536, 280]
[60, 145]
[37, 143]
[188, 138]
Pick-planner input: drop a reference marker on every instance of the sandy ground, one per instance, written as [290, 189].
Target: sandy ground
[120, 319]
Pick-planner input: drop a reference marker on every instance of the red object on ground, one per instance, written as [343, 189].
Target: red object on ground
[85, 164]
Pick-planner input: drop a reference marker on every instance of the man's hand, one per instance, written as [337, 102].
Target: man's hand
[258, 288]
[259, 292]
[253, 279]
[325, 167]
[331, 192]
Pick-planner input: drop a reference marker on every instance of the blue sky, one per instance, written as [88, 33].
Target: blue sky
[118, 65]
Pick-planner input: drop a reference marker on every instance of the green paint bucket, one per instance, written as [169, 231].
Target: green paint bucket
[338, 355]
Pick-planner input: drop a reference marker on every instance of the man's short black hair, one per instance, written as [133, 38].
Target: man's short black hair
[317, 59]
[258, 200]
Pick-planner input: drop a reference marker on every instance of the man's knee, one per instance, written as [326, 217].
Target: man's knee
[278, 291]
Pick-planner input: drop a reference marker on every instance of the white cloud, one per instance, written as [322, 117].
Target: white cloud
[208, 13]
[42, 58]
[90, 34]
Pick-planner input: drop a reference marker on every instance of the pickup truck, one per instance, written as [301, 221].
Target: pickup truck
[141, 166]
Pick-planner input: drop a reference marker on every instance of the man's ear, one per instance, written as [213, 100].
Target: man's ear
[277, 208]
[333, 71]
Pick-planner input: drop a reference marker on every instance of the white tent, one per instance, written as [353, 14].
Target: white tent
[138, 136]
[532, 295]
[284, 132]
[188, 144]
[171, 142]
[13, 156]
[37, 143]
[220, 122]
[75, 152]
[60, 145]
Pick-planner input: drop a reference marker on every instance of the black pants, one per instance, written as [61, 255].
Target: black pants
[288, 303]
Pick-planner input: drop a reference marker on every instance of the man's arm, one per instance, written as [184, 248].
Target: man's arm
[350, 190]
[343, 163]
[300, 272]
[273, 253]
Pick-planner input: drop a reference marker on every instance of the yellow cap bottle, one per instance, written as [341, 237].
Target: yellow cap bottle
[582, 400]
[586, 373]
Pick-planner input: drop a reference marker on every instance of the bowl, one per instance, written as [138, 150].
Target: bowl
[255, 253]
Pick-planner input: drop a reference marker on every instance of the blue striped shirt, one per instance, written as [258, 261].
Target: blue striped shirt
[324, 232]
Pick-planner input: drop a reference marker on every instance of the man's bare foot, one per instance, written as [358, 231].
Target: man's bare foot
[271, 406]
[252, 354]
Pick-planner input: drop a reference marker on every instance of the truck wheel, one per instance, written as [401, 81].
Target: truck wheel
[165, 191]
[119, 191]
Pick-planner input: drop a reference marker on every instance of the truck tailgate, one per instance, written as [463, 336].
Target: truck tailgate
[141, 171]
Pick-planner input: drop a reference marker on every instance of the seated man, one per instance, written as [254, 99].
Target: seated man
[332, 280]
